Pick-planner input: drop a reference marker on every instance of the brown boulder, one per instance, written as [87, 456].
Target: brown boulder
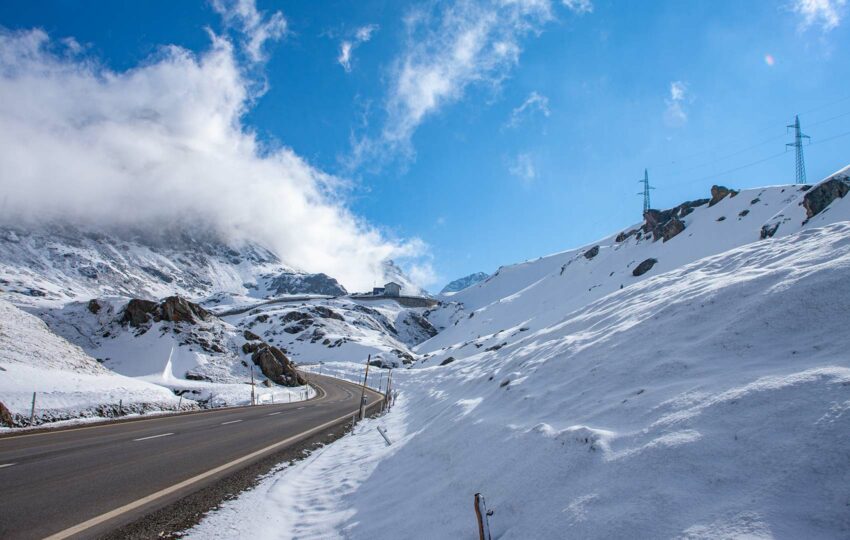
[822, 195]
[276, 366]
[138, 312]
[177, 309]
[250, 336]
[6, 418]
[644, 267]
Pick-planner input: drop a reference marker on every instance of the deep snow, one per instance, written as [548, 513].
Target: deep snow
[709, 398]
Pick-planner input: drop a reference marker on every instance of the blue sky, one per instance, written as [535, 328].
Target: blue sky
[496, 132]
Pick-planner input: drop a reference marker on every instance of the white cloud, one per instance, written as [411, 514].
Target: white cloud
[675, 114]
[827, 13]
[449, 47]
[534, 102]
[346, 47]
[163, 144]
[256, 26]
[579, 6]
[523, 168]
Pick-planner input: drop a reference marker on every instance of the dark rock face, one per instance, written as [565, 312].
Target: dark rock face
[276, 366]
[662, 224]
[6, 416]
[250, 336]
[623, 236]
[591, 253]
[447, 361]
[819, 197]
[306, 284]
[174, 309]
[644, 267]
[423, 324]
[767, 231]
[138, 312]
[177, 309]
[665, 224]
[719, 192]
[94, 306]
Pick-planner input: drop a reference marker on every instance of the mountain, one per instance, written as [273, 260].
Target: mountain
[60, 263]
[464, 282]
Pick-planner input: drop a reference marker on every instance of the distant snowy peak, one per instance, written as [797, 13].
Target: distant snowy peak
[58, 263]
[464, 282]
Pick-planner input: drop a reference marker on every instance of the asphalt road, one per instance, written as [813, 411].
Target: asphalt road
[86, 481]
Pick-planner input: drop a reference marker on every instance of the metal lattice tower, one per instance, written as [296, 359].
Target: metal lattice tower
[645, 192]
[798, 149]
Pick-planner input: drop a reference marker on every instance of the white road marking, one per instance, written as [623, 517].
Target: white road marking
[231, 422]
[274, 413]
[154, 436]
[4, 465]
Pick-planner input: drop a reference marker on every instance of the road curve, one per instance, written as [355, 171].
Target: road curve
[86, 481]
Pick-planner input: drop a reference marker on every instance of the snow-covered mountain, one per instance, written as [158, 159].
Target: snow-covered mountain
[464, 282]
[61, 263]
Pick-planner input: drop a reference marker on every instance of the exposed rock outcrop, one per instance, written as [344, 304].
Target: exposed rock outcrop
[644, 267]
[276, 366]
[720, 192]
[822, 195]
[591, 253]
[665, 224]
[138, 312]
[296, 283]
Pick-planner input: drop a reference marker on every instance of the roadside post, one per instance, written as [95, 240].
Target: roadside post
[32, 410]
[363, 392]
[252, 386]
[481, 515]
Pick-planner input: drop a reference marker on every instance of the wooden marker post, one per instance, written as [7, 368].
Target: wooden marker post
[481, 515]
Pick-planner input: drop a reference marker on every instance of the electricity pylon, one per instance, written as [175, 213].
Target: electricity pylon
[798, 149]
[645, 192]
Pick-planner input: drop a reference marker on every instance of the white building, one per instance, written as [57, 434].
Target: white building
[392, 289]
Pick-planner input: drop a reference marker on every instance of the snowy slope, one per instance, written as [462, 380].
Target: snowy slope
[706, 398]
[710, 401]
[536, 294]
[69, 383]
[202, 359]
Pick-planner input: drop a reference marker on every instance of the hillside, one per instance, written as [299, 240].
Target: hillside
[705, 398]
[539, 293]
[68, 382]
